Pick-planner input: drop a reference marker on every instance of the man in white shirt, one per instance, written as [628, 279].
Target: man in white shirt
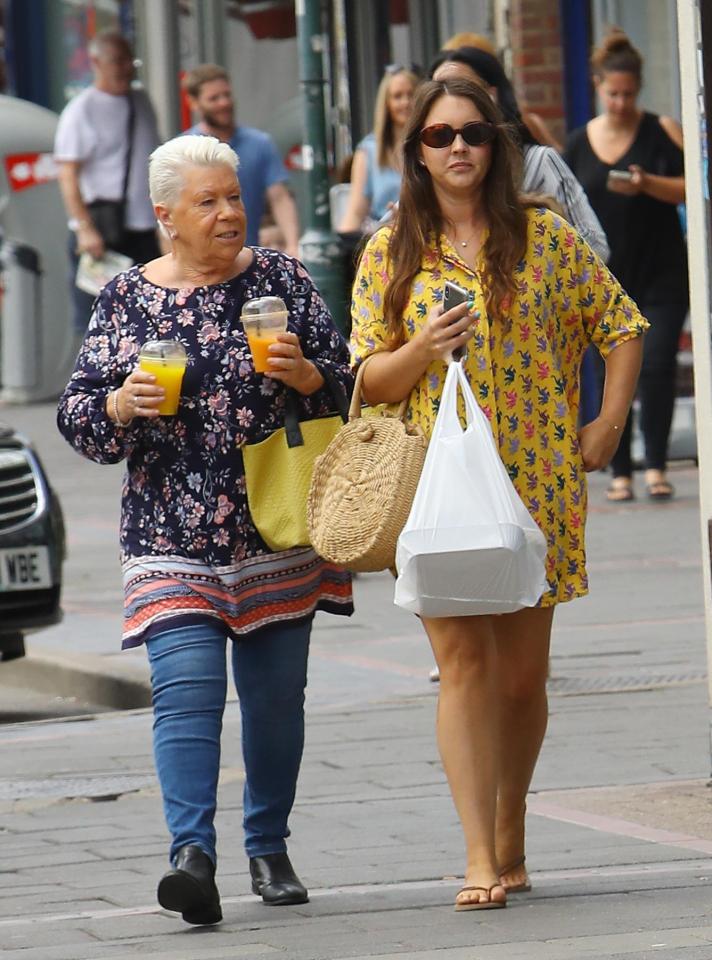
[102, 145]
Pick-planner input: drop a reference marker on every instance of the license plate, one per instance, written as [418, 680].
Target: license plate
[25, 568]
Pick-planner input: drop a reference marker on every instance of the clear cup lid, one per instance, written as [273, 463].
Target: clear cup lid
[163, 350]
[264, 306]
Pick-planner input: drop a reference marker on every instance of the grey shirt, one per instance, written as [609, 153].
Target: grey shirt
[545, 172]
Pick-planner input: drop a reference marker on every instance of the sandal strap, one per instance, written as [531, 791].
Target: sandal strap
[487, 890]
[519, 862]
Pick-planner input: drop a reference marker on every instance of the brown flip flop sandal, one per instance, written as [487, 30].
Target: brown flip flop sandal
[523, 887]
[660, 490]
[619, 492]
[481, 904]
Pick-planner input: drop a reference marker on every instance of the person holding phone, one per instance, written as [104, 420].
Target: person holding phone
[630, 163]
[538, 295]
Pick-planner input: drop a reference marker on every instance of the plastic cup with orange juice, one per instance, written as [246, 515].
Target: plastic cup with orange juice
[263, 319]
[166, 360]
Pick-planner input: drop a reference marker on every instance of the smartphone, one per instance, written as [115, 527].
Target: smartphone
[619, 175]
[453, 295]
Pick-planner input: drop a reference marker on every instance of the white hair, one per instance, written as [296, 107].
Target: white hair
[107, 38]
[167, 162]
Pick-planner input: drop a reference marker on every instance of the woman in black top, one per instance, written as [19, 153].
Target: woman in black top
[630, 164]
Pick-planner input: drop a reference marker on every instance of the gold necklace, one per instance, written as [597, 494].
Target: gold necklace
[463, 243]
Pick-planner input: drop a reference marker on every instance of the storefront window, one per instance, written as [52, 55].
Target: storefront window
[76, 22]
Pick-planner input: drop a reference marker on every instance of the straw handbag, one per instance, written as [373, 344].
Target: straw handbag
[362, 488]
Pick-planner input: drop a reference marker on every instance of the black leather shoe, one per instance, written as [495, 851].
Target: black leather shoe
[189, 888]
[274, 879]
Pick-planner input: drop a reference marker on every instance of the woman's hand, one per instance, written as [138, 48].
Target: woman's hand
[288, 364]
[632, 187]
[445, 332]
[598, 441]
[138, 396]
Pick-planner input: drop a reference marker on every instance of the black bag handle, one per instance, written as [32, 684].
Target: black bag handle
[292, 428]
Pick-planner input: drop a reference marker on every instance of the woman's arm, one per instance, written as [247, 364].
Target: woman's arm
[358, 203]
[665, 189]
[389, 377]
[599, 439]
[539, 130]
[85, 412]
[312, 346]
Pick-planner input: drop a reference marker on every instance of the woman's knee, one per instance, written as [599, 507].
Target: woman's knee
[271, 672]
[520, 690]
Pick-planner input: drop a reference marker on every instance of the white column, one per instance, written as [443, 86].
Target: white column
[698, 226]
[211, 23]
[159, 48]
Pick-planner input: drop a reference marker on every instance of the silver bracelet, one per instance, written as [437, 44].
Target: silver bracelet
[115, 405]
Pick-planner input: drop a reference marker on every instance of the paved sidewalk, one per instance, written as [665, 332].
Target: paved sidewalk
[620, 832]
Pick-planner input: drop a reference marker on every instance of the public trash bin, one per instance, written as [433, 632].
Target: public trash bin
[37, 339]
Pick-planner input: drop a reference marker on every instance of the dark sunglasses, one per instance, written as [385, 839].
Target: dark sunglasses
[474, 134]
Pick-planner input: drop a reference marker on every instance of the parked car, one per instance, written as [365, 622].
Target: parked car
[32, 544]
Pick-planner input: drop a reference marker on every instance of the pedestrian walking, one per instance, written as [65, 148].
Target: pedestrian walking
[263, 177]
[538, 129]
[538, 296]
[104, 137]
[196, 571]
[631, 165]
[545, 172]
[378, 159]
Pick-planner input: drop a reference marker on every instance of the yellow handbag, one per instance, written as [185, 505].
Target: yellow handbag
[278, 470]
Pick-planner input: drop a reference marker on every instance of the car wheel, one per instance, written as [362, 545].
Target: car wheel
[12, 646]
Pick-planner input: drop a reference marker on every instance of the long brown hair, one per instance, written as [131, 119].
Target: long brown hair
[419, 220]
[383, 128]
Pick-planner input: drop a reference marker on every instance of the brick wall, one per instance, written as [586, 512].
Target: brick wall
[537, 60]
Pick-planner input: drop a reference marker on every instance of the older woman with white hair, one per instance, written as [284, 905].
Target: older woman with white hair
[196, 571]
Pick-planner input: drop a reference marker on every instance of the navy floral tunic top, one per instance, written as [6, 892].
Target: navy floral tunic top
[189, 548]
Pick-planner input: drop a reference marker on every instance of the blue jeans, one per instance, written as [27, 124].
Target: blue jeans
[189, 681]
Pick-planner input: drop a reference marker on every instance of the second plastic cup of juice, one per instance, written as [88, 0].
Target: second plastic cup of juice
[166, 360]
[262, 320]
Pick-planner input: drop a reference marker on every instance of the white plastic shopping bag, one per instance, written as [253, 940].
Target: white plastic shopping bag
[469, 545]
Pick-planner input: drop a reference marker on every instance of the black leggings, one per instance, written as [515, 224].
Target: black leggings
[656, 388]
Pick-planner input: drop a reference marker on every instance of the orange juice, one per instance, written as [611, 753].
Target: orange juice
[169, 375]
[259, 347]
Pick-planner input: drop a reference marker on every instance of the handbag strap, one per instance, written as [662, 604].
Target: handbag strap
[356, 399]
[292, 428]
[129, 151]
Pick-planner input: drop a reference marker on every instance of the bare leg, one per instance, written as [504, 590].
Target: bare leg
[464, 649]
[522, 643]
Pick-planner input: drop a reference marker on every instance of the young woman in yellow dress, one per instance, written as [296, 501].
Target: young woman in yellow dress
[539, 296]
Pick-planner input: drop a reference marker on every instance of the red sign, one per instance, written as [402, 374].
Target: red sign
[25, 170]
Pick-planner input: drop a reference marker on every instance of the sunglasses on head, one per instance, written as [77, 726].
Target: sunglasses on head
[474, 134]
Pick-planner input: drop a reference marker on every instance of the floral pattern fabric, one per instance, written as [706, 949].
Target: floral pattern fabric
[524, 373]
[184, 502]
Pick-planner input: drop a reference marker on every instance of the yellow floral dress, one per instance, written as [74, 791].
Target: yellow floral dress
[525, 374]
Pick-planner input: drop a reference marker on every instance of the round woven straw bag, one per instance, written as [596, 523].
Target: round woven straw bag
[363, 487]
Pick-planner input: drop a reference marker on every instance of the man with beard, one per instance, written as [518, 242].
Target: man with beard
[262, 173]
